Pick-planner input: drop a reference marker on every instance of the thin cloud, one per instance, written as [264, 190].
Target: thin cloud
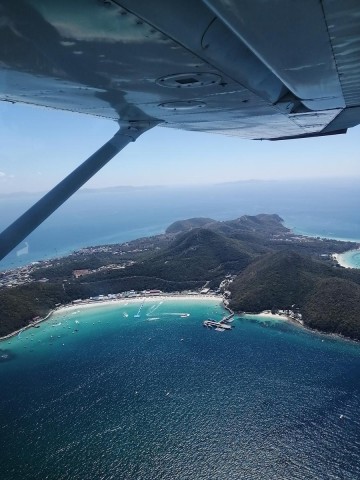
[6, 176]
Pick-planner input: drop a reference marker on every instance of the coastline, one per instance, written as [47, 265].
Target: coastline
[88, 303]
[296, 231]
[334, 336]
[277, 316]
[266, 313]
[339, 258]
[22, 329]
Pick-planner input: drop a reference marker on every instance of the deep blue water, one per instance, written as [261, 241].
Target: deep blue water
[161, 397]
[326, 208]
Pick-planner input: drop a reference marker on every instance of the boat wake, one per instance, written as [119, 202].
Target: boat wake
[153, 309]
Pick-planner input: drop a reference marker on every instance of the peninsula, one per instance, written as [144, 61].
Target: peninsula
[254, 261]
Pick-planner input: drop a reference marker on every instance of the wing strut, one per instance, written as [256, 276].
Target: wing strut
[42, 209]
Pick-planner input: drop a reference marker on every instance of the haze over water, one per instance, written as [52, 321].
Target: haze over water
[319, 207]
[160, 397]
[157, 396]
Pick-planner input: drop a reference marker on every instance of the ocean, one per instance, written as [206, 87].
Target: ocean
[123, 392]
[126, 391]
[327, 208]
[350, 259]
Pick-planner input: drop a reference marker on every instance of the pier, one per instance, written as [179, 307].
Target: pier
[228, 318]
[219, 326]
[223, 324]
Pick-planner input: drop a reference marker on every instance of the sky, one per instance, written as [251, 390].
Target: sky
[40, 146]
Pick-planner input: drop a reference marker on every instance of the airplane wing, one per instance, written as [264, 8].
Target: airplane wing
[257, 69]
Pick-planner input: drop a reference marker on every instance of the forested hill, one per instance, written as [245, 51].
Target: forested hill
[266, 230]
[191, 260]
[262, 224]
[327, 297]
[274, 268]
[182, 226]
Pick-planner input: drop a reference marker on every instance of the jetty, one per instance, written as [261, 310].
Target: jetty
[223, 324]
[219, 326]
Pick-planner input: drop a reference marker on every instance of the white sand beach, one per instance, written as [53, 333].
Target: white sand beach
[90, 303]
[275, 316]
[341, 259]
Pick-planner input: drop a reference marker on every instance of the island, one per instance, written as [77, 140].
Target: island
[255, 262]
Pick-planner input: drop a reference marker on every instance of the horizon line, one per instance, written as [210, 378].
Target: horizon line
[191, 185]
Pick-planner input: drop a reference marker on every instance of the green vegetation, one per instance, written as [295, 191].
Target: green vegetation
[20, 305]
[327, 297]
[334, 306]
[274, 269]
[192, 259]
[182, 226]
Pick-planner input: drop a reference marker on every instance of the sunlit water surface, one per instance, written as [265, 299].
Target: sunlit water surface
[113, 393]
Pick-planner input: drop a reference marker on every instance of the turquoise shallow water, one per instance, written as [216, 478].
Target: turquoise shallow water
[160, 397]
[350, 259]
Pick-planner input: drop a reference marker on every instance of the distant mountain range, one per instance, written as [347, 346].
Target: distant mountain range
[274, 269]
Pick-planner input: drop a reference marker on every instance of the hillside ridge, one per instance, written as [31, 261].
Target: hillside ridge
[259, 260]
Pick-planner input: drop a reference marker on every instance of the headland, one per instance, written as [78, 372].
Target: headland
[254, 262]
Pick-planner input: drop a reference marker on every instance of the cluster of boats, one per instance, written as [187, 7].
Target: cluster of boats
[218, 326]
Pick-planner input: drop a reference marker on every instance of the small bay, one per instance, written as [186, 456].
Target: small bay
[350, 259]
[141, 390]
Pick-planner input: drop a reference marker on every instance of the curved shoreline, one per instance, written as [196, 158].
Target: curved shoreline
[22, 329]
[322, 236]
[332, 335]
[88, 303]
[338, 257]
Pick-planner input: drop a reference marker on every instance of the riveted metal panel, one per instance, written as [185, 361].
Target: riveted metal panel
[291, 38]
[107, 58]
[343, 21]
